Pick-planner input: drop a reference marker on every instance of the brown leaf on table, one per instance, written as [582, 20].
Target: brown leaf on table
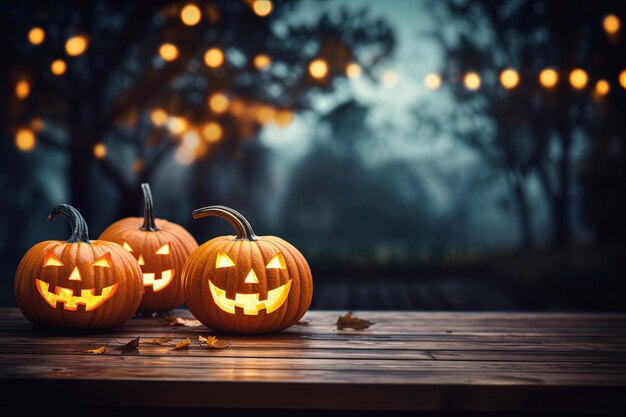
[160, 341]
[133, 344]
[183, 345]
[304, 322]
[179, 321]
[350, 322]
[98, 351]
[213, 342]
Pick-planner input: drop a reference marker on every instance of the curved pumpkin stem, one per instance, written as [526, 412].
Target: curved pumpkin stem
[149, 224]
[241, 225]
[80, 233]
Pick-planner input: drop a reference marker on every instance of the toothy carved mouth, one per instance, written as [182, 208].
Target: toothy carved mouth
[250, 302]
[87, 297]
[158, 284]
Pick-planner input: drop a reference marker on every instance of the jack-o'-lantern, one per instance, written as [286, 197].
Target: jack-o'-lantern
[161, 249]
[246, 283]
[78, 284]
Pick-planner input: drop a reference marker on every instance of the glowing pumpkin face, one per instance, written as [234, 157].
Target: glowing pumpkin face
[161, 249]
[246, 283]
[79, 283]
[54, 269]
[257, 297]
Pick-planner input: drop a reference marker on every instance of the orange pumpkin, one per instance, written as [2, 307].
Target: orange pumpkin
[78, 284]
[246, 283]
[161, 249]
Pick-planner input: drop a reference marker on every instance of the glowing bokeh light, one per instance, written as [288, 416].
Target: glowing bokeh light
[58, 67]
[262, 7]
[168, 52]
[602, 88]
[212, 132]
[214, 57]
[190, 14]
[611, 24]
[99, 150]
[548, 78]
[622, 79]
[262, 61]
[472, 81]
[22, 89]
[578, 78]
[318, 68]
[218, 103]
[36, 35]
[76, 45]
[25, 140]
[509, 78]
[432, 81]
[353, 70]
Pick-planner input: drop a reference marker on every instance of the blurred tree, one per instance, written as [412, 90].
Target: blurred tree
[527, 123]
[118, 85]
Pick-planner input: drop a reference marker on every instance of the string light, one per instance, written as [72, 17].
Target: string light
[58, 67]
[218, 103]
[318, 68]
[602, 88]
[548, 78]
[262, 61]
[22, 89]
[190, 14]
[76, 45]
[472, 81]
[212, 132]
[353, 70]
[36, 35]
[25, 140]
[432, 81]
[168, 52]
[214, 57]
[99, 150]
[611, 24]
[262, 7]
[158, 117]
[578, 78]
[509, 78]
[177, 125]
[622, 79]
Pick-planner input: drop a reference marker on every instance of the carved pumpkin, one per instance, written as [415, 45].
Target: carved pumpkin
[246, 283]
[161, 249]
[78, 284]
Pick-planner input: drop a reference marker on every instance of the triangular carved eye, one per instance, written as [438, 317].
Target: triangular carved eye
[277, 262]
[52, 260]
[126, 246]
[164, 250]
[104, 260]
[223, 261]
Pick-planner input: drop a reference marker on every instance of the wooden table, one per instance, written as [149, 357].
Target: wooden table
[444, 362]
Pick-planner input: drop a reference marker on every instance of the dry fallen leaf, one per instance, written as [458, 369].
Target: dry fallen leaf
[349, 322]
[159, 341]
[133, 344]
[304, 322]
[179, 321]
[98, 351]
[213, 342]
[183, 345]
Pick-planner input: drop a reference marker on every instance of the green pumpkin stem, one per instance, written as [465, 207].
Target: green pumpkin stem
[241, 225]
[149, 224]
[80, 233]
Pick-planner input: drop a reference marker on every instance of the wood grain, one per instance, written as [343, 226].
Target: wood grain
[428, 362]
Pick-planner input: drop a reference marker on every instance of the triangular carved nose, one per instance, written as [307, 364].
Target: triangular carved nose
[75, 275]
[140, 260]
[251, 278]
